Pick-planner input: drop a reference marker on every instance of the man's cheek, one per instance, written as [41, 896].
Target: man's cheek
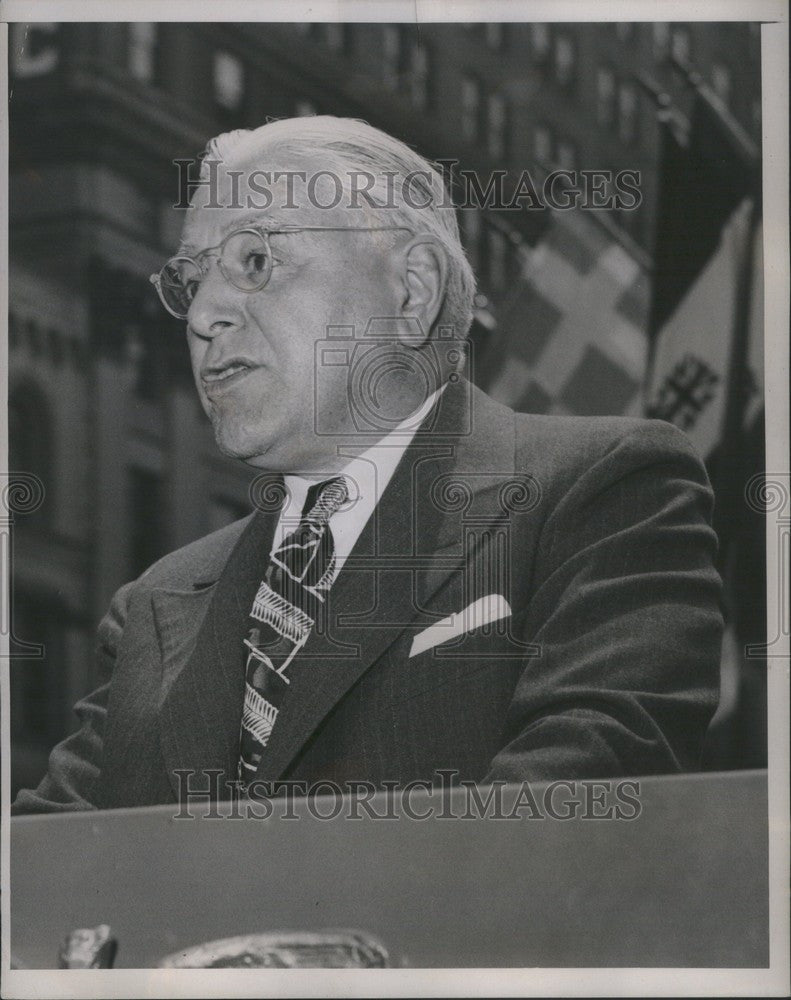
[197, 353]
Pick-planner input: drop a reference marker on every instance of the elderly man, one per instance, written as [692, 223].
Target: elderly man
[429, 581]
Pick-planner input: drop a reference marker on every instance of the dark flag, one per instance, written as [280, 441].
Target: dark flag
[703, 176]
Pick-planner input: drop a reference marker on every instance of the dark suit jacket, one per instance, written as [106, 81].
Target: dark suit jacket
[595, 531]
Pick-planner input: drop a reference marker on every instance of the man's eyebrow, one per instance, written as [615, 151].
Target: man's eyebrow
[251, 218]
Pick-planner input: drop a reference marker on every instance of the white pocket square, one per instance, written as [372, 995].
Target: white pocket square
[484, 611]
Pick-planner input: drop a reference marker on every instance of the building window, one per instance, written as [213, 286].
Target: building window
[471, 234]
[495, 36]
[141, 326]
[541, 40]
[757, 115]
[567, 155]
[335, 36]
[143, 51]
[661, 39]
[627, 112]
[542, 144]
[391, 54]
[564, 60]
[37, 687]
[681, 46]
[228, 81]
[147, 519]
[721, 82]
[497, 248]
[419, 76]
[496, 126]
[605, 95]
[470, 109]
[31, 52]
[30, 438]
[624, 31]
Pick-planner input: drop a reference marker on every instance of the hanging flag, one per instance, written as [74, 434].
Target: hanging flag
[571, 336]
[693, 350]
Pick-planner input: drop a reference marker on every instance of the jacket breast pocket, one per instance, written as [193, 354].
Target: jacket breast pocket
[497, 650]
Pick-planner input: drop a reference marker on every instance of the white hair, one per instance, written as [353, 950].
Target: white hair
[407, 189]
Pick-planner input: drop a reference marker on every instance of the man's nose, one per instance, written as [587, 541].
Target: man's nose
[216, 306]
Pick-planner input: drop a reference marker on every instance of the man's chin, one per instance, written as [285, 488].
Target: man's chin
[240, 445]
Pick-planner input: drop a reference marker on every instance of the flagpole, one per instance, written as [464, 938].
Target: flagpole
[668, 120]
[727, 486]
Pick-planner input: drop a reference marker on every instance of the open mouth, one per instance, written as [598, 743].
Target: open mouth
[216, 377]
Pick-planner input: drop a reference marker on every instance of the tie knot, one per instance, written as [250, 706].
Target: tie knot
[325, 499]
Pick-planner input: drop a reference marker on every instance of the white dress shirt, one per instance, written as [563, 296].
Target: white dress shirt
[366, 475]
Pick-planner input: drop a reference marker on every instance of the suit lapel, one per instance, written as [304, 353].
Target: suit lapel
[417, 541]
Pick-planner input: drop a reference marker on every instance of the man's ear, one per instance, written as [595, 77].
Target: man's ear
[425, 280]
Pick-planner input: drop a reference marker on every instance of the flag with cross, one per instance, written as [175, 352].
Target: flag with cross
[571, 336]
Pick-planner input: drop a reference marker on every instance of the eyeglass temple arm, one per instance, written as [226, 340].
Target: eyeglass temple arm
[332, 229]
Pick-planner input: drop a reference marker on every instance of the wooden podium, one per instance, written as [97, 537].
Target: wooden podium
[684, 884]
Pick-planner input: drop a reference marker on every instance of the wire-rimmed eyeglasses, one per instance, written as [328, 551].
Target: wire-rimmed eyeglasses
[244, 259]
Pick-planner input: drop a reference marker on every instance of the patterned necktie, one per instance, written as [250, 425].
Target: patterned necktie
[284, 612]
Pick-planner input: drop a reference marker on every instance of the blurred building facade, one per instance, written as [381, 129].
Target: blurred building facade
[101, 401]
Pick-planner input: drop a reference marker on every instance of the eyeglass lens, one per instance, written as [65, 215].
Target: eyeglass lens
[245, 261]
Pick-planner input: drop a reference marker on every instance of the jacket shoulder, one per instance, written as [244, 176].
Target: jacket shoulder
[594, 437]
[200, 561]
[560, 449]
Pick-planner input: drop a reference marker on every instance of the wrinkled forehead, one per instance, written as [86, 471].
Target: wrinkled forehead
[270, 187]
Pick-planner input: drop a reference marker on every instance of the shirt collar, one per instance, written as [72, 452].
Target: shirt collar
[367, 477]
[383, 456]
